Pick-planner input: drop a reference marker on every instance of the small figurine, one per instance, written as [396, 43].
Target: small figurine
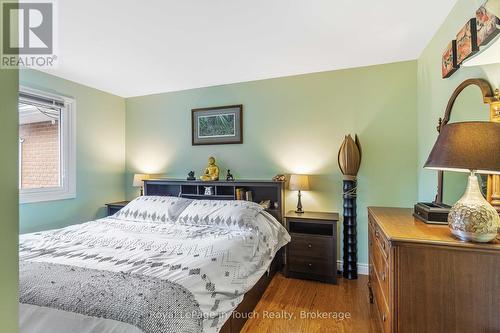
[229, 176]
[211, 171]
[279, 178]
[191, 176]
[266, 204]
[209, 190]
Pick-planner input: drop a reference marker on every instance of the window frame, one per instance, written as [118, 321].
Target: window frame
[67, 189]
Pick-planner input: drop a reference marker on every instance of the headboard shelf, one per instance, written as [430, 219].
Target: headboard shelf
[222, 190]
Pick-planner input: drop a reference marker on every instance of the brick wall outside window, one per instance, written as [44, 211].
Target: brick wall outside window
[39, 154]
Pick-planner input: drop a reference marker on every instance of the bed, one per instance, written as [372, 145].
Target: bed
[161, 264]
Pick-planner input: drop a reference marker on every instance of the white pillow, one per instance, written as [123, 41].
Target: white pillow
[225, 213]
[159, 209]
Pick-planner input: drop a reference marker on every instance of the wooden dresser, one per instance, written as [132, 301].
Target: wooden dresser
[424, 280]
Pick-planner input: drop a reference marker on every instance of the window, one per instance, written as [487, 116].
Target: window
[46, 146]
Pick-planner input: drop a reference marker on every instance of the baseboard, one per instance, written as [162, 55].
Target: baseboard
[362, 267]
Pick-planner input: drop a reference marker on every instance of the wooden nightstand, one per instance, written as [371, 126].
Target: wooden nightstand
[114, 207]
[312, 252]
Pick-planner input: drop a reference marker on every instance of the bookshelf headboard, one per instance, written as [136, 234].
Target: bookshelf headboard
[222, 190]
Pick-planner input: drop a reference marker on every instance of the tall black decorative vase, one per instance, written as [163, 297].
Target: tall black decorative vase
[350, 265]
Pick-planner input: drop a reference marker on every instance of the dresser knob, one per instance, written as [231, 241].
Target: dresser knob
[384, 317]
[309, 265]
[309, 245]
[383, 276]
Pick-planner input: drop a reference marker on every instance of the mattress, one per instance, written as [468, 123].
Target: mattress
[208, 253]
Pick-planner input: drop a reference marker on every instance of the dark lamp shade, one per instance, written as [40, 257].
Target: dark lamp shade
[467, 146]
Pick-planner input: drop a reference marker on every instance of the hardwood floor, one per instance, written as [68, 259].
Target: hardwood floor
[291, 297]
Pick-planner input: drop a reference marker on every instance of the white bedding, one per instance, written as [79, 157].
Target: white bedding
[218, 258]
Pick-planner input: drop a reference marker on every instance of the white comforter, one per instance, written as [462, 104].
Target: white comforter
[216, 263]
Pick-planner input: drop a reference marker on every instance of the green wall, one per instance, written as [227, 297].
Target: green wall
[293, 125]
[433, 92]
[100, 156]
[9, 225]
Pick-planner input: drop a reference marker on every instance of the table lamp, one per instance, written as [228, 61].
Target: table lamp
[472, 147]
[299, 183]
[139, 181]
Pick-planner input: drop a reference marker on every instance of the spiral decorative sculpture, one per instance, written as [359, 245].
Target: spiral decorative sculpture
[349, 162]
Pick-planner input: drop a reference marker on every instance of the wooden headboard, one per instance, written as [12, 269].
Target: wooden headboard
[222, 190]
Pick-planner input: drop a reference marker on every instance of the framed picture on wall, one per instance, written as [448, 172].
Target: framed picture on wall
[449, 61]
[217, 125]
[467, 41]
[487, 26]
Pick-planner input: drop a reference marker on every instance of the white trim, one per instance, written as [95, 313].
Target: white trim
[67, 190]
[362, 267]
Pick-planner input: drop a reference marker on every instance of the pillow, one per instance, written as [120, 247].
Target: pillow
[159, 209]
[226, 213]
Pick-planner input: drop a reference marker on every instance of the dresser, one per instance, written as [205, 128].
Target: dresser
[312, 252]
[423, 280]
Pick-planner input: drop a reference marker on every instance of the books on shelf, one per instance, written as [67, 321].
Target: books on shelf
[243, 194]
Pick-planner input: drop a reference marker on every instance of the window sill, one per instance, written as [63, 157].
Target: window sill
[26, 198]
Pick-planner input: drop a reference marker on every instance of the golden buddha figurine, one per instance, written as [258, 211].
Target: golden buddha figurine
[211, 171]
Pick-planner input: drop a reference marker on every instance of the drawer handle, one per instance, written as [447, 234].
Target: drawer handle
[383, 276]
[310, 265]
[309, 246]
[383, 246]
[384, 317]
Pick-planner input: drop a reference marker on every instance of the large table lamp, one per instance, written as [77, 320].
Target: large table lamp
[472, 147]
[299, 183]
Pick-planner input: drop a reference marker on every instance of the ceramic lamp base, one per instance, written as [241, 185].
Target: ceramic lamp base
[473, 218]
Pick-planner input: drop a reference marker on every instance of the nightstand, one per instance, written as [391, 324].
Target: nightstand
[312, 252]
[115, 206]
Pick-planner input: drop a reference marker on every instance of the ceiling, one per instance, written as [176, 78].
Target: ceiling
[131, 48]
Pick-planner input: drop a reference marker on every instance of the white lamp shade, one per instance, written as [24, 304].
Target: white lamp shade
[138, 179]
[299, 183]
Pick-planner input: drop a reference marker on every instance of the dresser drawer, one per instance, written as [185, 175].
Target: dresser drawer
[380, 302]
[311, 246]
[381, 268]
[371, 238]
[382, 241]
[318, 266]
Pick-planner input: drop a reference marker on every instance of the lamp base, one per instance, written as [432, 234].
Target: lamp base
[299, 204]
[473, 218]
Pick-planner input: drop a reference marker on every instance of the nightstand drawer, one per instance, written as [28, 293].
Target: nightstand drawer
[311, 246]
[319, 266]
[113, 209]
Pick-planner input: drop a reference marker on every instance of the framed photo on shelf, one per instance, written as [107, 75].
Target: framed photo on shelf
[449, 61]
[467, 41]
[488, 26]
[217, 125]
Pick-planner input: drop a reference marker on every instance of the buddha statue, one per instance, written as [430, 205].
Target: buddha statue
[211, 171]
